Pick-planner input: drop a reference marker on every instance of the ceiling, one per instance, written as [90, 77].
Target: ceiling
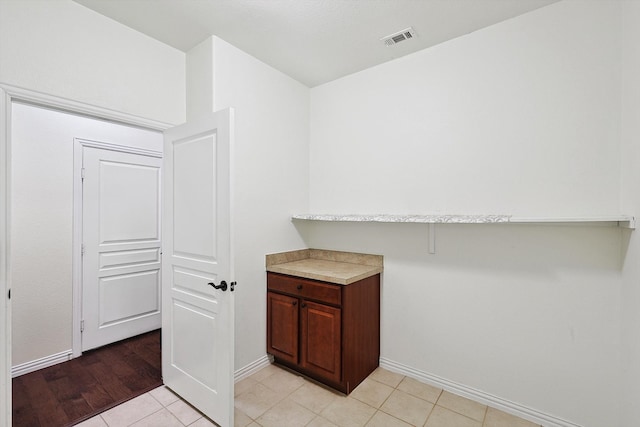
[313, 41]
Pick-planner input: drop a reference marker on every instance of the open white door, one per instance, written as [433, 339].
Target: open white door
[198, 319]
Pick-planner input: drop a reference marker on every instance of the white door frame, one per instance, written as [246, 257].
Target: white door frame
[78, 145]
[9, 94]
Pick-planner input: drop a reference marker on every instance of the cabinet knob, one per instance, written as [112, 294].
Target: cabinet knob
[294, 303]
[299, 287]
[303, 305]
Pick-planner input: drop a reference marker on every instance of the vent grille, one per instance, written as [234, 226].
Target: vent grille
[398, 37]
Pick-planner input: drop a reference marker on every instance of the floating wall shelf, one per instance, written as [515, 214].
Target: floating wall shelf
[624, 221]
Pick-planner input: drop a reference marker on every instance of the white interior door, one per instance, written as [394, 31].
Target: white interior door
[197, 319]
[121, 238]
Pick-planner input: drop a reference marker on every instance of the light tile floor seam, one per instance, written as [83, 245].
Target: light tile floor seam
[430, 414]
[165, 411]
[382, 419]
[161, 404]
[371, 417]
[484, 419]
[397, 387]
[395, 417]
[147, 416]
[460, 400]
[365, 386]
[385, 401]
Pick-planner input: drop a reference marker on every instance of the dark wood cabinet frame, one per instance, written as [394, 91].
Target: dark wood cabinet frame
[328, 332]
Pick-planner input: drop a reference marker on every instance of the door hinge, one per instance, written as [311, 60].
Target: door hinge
[82, 249]
[9, 294]
[82, 326]
[82, 173]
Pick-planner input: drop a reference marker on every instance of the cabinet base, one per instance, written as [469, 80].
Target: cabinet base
[345, 387]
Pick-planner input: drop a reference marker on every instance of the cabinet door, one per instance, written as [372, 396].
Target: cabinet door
[320, 335]
[282, 327]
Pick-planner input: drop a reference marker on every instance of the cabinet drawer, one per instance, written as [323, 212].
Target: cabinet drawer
[304, 288]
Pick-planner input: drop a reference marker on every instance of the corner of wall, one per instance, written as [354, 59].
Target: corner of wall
[199, 78]
[630, 200]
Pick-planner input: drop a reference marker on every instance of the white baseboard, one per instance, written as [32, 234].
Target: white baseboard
[477, 395]
[43, 362]
[64, 356]
[251, 368]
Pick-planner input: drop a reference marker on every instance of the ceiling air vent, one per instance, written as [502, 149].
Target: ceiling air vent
[400, 36]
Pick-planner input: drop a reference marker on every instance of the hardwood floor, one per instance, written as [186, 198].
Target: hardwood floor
[70, 392]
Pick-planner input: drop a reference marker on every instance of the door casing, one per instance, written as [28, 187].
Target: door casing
[9, 94]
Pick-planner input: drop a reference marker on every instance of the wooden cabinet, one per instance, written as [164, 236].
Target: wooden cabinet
[326, 331]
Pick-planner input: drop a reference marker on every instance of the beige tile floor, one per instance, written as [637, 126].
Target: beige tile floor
[274, 397]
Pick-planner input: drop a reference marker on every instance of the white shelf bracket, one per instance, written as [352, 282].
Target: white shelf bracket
[431, 229]
[630, 223]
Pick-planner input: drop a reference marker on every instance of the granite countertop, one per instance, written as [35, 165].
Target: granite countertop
[342, 268]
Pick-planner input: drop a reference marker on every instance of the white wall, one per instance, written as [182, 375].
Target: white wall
[271, 171]
[62, 48]
[519, 118]
[631, 203]
[41, 221]
[272, 149]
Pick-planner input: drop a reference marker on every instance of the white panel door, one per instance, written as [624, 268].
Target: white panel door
[197, 307]
[121, 294]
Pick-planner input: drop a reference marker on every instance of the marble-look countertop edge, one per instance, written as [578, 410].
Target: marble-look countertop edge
[424, 219]
[466, 219]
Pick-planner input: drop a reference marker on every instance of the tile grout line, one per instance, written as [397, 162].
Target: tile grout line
[417, 397]
[486, 407]
[153, 413]
[287, 396]
[434, 406]
[382, 404]
[484, 419]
